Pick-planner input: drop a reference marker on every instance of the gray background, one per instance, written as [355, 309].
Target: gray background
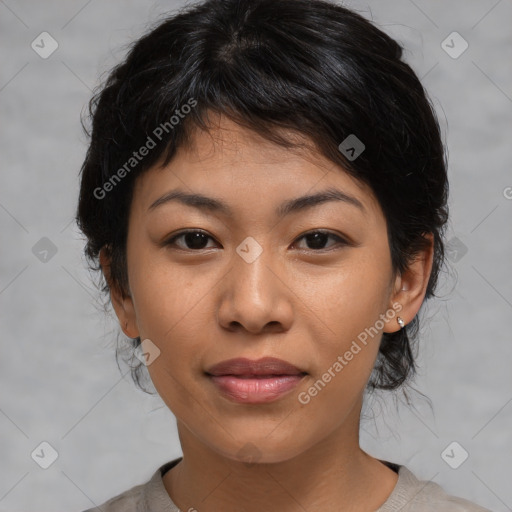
[59, 379]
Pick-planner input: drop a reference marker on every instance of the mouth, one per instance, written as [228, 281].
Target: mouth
[255, 382]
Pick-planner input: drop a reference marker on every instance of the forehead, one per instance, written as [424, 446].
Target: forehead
[243, 168]
[229, 141]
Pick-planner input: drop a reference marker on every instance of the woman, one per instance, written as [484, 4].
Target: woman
[265, 193]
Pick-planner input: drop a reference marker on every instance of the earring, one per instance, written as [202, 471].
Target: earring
[400, 322]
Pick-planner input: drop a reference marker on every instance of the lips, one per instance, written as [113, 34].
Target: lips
[265, 367]
[255, 382]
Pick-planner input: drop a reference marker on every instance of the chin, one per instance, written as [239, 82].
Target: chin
[262, 450]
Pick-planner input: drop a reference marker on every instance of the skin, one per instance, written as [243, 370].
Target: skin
[297, 301]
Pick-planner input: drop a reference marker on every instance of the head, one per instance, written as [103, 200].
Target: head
[217, 123]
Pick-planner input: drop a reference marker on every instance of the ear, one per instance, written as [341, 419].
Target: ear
[122, 303]
[410, 287]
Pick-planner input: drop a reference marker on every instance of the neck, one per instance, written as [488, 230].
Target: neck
[331, 472]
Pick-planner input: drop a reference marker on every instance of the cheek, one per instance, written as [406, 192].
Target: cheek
[350, 297]
[167, 297]
[173, 307]
[347, 307]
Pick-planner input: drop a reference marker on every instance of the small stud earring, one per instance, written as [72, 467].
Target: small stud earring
[400, 322]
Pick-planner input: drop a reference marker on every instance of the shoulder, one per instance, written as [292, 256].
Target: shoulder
[128, 501]
[414, 495]
[148, 496]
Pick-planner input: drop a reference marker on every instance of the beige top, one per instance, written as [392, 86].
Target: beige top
[409, 495]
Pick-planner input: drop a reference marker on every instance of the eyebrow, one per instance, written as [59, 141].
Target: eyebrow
[290, 206]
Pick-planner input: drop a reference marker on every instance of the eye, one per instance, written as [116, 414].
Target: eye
[196, 240]
[193, 239]
[317, 240]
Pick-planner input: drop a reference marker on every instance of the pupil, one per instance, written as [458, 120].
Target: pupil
[318, 239]
[195, 240]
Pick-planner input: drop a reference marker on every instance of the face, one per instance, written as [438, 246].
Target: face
[257, 279]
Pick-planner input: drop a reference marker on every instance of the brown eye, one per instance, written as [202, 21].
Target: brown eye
[192, 240]
[316, 240]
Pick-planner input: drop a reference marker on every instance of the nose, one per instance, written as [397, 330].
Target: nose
[256, 296]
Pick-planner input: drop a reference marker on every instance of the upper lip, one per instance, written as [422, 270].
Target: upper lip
[263, 366]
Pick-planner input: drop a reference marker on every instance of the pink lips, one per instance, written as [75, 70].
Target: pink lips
[253, 382]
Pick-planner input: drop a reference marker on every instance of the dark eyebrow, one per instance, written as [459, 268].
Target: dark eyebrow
[303, 202]
[291, 206]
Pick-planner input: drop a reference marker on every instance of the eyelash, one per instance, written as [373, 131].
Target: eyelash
[341, 241]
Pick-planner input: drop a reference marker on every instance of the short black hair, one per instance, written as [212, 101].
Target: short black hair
[309, 66]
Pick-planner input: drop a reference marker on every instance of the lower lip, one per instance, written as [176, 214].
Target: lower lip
[255, 390]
